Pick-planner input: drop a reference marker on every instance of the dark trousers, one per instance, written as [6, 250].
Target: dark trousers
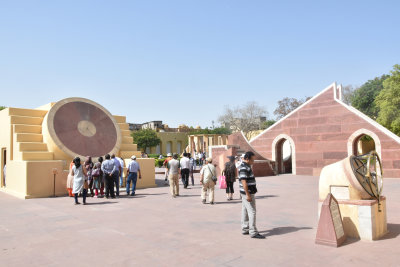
[108, 180]
[229, 187]
[185, 177]
[191, 175]
[116, 181]
[84, 193]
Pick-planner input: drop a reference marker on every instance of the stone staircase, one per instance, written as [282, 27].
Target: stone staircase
[127, 149]
[27, 134]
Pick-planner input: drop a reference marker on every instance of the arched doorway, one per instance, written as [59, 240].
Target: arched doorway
[169, 147]
[362, 142]
[283, 152]
[179, 147]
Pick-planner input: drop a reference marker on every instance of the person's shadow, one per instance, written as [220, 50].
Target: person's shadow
[283, 230]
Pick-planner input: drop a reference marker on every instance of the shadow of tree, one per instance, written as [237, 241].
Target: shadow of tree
[283, 230]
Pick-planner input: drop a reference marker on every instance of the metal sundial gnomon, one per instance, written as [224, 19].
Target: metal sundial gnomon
[368, 170]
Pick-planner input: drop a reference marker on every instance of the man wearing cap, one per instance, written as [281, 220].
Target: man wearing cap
[165, 164]
[207, 173]
[132, 173]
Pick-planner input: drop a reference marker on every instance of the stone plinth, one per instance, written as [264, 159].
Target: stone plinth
[361, 218]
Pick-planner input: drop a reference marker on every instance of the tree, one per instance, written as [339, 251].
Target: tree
[266, 124]
[287, 105]
[388, 101]
[2, 107]
[348, 93]
[246, 118]
[364, 97]
[218, 130]
[145, 138]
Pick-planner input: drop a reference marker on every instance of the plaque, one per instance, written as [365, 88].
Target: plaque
[340, 192]
[330, 230]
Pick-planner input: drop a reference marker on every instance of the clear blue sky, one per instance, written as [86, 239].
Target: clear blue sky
[182, 61]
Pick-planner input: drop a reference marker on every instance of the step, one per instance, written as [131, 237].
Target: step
[26, 120]
[129, 154]
[120, 119]
[123, 126]
[27, 112]
[128, 147]
[32, 146]
[125, 133]
[127, 139]
[22, 128]
[29, 137]
[37, 155]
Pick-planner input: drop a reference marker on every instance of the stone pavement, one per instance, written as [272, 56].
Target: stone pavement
[152, 229]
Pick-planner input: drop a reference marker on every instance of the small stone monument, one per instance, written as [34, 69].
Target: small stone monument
[330, 227]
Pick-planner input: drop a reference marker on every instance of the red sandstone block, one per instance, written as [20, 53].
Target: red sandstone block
[297, 131]
[335, 137]
[351, 128]
[391, 173]
[307, 138]
[309, 155]
[304, 171]
[317, 171]
[391, 154]
[389, 144]
[396, 164]
[343, 119]
[312, 121]
[325, 162]
[335, 155]
[387, 164]
[324, 129]
[289, 123]
[321, 146]
[327, 103]
[306, 163]
[312, 112]
[334, 110]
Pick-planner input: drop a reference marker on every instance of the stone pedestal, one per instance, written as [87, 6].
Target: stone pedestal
[361, 218]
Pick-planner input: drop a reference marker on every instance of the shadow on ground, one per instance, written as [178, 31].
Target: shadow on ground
[393, 231]
[283, 230]
[101, 203]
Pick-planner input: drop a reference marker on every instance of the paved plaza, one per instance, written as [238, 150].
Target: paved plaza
[153, 229]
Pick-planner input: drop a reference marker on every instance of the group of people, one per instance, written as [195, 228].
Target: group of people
[104, 174]
[187, 166]
[208, 178]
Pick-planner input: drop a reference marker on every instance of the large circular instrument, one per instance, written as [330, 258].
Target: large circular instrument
[81, 127]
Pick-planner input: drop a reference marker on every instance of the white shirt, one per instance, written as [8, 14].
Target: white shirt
[121, 162]
[208, 171]
[133, 166]
[185, 163]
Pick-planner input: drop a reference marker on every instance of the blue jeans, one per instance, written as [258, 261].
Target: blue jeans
[121, 180]
[131, 177]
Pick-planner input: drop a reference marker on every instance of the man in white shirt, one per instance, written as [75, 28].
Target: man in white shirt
[173, 174]
[121, 178]
[116, 174]
[185, 164]
[132, 173]
[206, 179]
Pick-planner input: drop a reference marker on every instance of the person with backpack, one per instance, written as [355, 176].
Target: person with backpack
[230, 176]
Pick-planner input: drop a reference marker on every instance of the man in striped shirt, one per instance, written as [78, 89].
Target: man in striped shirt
[248, 189]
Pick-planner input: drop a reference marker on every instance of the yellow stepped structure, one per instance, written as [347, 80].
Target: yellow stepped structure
[26, 127]
[128, 148]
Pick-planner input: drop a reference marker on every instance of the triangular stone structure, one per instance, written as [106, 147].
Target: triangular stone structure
[324, 130]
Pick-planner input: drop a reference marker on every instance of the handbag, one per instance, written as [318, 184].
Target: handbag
[222, 182]
[96, 172]
[213, 178]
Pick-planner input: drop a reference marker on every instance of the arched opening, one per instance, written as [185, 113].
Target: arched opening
[179, 147]
[363, 144]
[284, 154]
[158, 148]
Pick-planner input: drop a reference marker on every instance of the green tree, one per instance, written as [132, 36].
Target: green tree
[145, 138]
[218, 130]
[364, 97]
[266, 124]
[2, 107]
[388, 101]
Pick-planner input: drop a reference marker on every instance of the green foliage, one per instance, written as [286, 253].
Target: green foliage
[364, 97]
[388, 102]
[266, 124]
[158, 162]
[2, 107]
[145, 138]
[218, 130]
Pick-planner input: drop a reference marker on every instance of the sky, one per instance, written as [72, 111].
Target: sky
[183, 61]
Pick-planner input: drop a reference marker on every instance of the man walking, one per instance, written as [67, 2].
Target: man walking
[121, 173]
[173, 170]
[116, 173]
[165, 164]
[206, 179]
[108, 167]
[185, 170]
[192, 166]
[248, 189]
[132, 174]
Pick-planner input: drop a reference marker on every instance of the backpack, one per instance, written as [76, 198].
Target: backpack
[230, 170]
